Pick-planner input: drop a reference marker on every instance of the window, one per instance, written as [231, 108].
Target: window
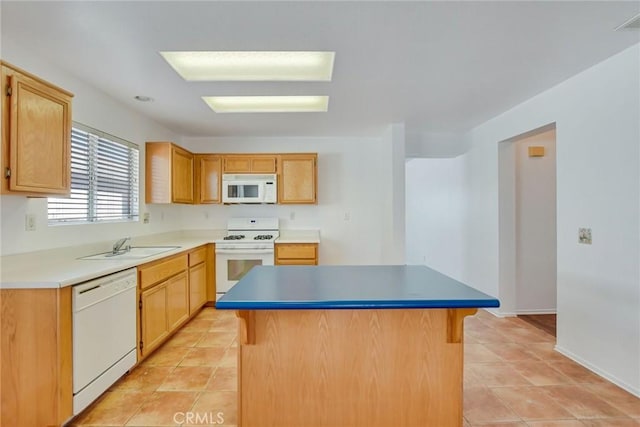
[104, 180]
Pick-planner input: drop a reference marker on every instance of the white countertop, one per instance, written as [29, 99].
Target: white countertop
[57, 268]
[61, 267]
[299, 236]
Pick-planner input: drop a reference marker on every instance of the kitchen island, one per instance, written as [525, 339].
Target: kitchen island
[350, 345]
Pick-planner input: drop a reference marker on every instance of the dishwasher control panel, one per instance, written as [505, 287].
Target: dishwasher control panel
[94, 291]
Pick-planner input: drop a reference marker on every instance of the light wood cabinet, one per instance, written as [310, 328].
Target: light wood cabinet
[36, 372]
[169, 173]
[250, 163]
[164, 300]
[177, 300]
[296, 254]
[211, 274]
[197, 279]
[153, 318]
[208, 180]
[36, 135]
[298, 179]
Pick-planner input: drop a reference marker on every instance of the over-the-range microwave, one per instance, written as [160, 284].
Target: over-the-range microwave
[249, 188]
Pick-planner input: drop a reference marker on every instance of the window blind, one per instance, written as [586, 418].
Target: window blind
[104, 179]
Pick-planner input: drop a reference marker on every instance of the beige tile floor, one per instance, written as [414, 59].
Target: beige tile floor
[513, 378]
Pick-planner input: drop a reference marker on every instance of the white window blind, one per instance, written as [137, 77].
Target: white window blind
[104, 179]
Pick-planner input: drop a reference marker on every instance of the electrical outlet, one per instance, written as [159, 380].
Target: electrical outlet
[347, 216]
[292, 215]
[29, 222]
[145, 218]
[584, 236]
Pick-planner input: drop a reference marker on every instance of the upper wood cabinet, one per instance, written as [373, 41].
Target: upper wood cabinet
[298, 179]
[250, 163]
[169, 173]
[208, 178]
[36, 135]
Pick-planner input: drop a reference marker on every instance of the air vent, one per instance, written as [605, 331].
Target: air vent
[631, 24]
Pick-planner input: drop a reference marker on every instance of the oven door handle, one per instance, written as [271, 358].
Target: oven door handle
[243, 251]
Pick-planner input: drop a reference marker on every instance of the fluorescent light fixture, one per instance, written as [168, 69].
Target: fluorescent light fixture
[267, 104]
[252, 66]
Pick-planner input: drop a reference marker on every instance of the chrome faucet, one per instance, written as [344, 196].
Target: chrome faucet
[117, 246]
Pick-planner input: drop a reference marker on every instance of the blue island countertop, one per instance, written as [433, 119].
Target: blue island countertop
[350, 287]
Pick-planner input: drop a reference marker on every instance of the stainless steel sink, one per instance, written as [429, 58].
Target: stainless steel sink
[136, 252]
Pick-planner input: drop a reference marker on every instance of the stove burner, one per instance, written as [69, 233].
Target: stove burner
[263, 237]
[234, 237]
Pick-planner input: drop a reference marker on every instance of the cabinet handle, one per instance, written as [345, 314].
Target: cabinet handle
[7, 173]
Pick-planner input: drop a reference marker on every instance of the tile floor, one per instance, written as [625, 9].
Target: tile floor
[513, 378]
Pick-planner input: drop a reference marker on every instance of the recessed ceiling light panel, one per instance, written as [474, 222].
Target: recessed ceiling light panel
[252, 66]
[267, 104]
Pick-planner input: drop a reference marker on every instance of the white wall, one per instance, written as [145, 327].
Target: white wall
[354, 194]
[434, 214]
[96, 109]
[393, 172]
[536, 225]
[597, 116]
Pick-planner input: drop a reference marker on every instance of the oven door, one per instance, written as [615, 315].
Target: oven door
[243, 192]
[233, 264]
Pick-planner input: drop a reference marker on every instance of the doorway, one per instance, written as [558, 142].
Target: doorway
[528, 268]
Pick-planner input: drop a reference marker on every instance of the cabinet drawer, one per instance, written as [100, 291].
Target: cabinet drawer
[289, 261]
[297, 251]
[164, 269]
[197, 256]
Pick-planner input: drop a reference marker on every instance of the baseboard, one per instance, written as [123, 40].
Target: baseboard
[537, 311]
[498, 313]
[633, 390]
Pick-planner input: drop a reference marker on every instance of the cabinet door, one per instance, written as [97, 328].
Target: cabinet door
[177, 300]
[197, 287]
[153, 317]
[297, 182]
[237, 164]
[39, 135]
[181, 175]
[263, 164]
[209, 170]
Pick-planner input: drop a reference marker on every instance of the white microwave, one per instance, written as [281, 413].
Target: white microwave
[249, 188]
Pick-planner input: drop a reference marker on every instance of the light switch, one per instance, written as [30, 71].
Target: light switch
[29, 222]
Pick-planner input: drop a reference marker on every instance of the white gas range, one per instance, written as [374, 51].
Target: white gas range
[249, 242]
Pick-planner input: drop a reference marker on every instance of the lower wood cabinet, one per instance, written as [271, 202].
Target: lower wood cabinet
[197, 287]
[171, 290]
[296, 254]
[177, 300]
[36, 347]
[164, 300]
[154, 326]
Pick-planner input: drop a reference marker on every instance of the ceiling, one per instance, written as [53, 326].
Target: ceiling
[436, 66]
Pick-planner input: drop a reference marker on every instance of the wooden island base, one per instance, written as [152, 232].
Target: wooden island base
[351, 367]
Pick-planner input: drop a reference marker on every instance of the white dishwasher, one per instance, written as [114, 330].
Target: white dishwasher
[104, 334]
